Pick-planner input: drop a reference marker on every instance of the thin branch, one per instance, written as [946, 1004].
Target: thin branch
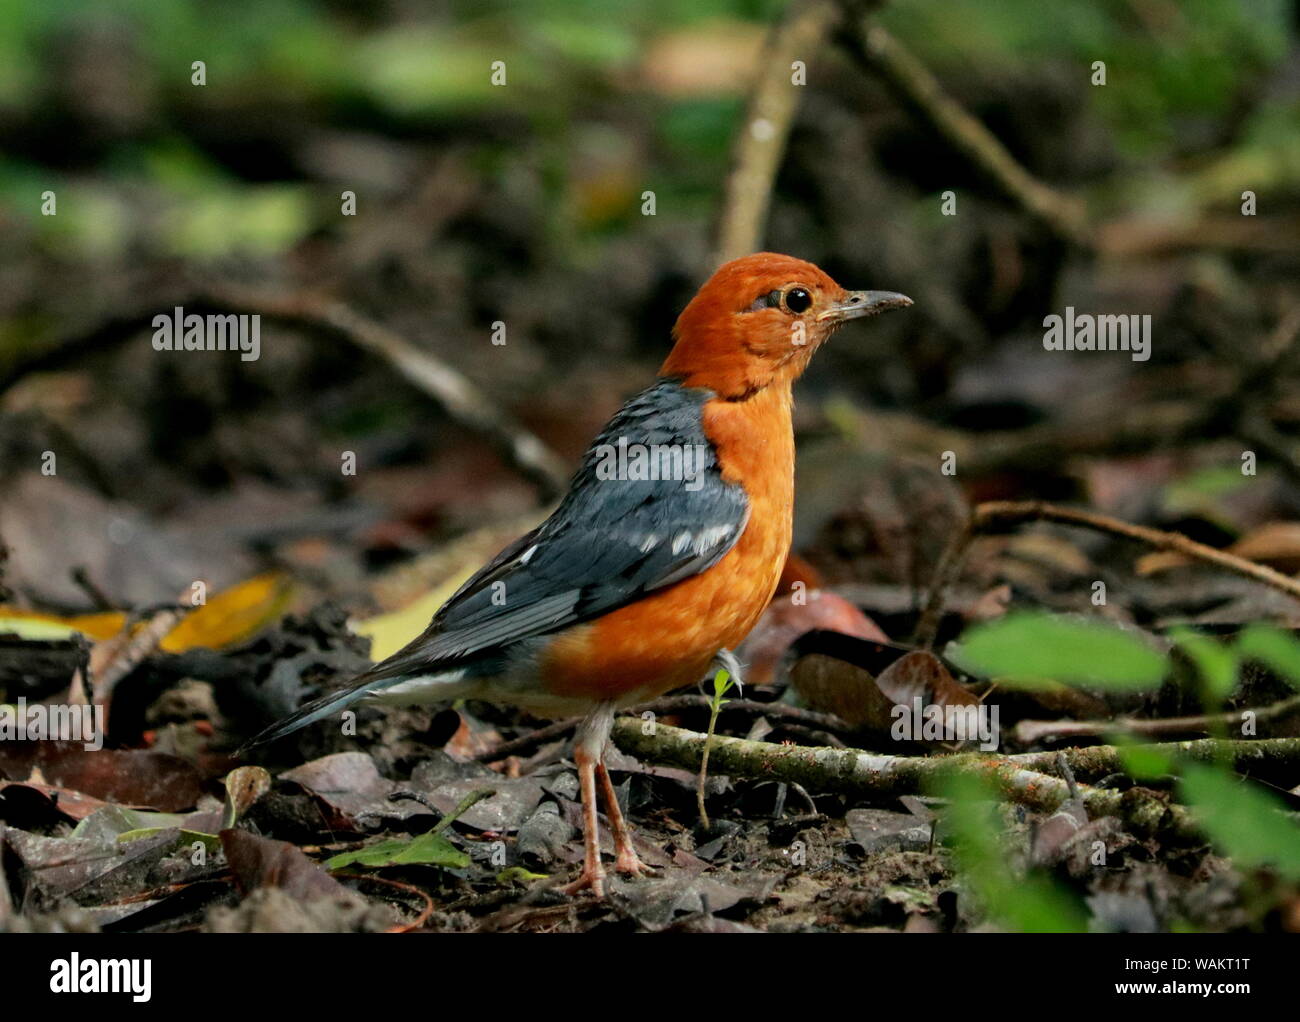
[461, 400]
[458, 397]
[998, 513]
[760, 144]
[880, 52]
[1029, 732]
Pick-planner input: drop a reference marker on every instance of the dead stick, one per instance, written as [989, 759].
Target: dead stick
[1028, 732]
[461, 400]
[672, 704]
[879, 51]
[1003, 513]
[866, 774]
[760, 143]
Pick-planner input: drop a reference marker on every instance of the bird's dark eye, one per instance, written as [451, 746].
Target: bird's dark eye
[797, 300]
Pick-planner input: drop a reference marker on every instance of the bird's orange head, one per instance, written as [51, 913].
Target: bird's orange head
[757, 321]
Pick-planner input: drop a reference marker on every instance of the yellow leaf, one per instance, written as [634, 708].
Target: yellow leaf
[29, 624]
[390, 632]
[228, 617]
[232, 615]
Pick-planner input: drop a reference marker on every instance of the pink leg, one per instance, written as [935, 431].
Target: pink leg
[588, 746]
[627, 860]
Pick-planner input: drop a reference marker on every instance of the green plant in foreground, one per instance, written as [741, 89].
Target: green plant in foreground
[1032, 903]
[1241, 819]
[722, 684]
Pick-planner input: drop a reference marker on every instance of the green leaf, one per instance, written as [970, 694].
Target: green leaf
[118, 823]
[1276, 649]
[1215, 663]
[1034, 648]
[722, 684]
[210, 841]
[1242, 819]
[35, 630]
[518, 875]
[430, 849]
[1032, 903]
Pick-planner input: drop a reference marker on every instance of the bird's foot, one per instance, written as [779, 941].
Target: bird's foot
[628, 862]
[588, 879]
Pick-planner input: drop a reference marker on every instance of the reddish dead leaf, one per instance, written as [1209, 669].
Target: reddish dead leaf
[261, 862]
[138, 778]
[922, 675]
[472, 738]
[836, 684]
[829, 685]
[784, 621]
[75, 805]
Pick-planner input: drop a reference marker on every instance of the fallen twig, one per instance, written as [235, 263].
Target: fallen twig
[671, 704]
[1028, 732]
[1003, 513]
[461, 400]
[1023, 779]
[879, 51]
[760, 143]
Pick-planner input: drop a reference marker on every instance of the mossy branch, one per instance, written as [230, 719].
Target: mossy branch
[1026, 779]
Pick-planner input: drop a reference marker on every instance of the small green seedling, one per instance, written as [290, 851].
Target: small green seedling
[722, 684]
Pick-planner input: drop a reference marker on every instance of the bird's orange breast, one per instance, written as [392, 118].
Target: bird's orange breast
[668, 638]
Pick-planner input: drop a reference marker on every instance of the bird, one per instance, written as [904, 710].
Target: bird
[662, 555]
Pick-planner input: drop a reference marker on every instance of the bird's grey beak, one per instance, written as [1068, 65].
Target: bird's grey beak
[857, 304]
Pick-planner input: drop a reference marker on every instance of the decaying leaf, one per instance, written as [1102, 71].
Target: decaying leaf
[785, 620]
[244, 786]
[261, 862]
[126, 777]
[228, 617]
[836, 684]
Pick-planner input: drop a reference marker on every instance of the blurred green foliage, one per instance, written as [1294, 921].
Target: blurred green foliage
[1030, 648]
[1176, 72]
[1242, 819]
[1031, 903]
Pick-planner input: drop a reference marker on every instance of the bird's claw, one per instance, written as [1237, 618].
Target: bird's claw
[588, 879]
[628, 862]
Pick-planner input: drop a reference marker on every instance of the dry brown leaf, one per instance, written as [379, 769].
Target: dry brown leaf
[833, 685]
[784, 621]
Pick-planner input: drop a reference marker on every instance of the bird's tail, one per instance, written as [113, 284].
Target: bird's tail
[322, 706]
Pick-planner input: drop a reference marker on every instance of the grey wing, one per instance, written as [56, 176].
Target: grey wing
[609, 541]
